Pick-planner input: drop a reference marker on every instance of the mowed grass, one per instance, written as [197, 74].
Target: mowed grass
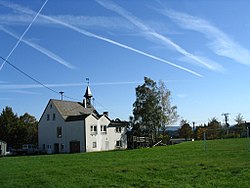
[226, 163]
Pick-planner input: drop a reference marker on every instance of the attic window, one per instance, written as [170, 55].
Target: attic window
[50, 106]
[48, 117]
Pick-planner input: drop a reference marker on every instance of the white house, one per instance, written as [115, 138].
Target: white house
[72, 127]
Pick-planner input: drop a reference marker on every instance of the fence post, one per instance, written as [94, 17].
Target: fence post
[248, 142]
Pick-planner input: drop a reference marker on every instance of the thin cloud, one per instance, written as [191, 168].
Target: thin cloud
[149, 32]
[221, 43]
[79, 21]
[20, 92]
[21, 37]
[86, 33]
[182, 96]
[37, 86]
[40, 49]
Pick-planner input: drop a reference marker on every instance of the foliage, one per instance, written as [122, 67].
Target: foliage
[152, 109]
[239, 119]
[17, 130]
[225, 164]
[185, 131]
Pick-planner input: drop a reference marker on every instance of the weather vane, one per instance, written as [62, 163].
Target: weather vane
[87, 79]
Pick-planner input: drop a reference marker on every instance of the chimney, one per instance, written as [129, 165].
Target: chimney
[84, 103]
[106, 114]
[61, 92]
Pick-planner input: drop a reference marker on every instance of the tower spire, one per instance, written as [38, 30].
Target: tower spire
[88, 95]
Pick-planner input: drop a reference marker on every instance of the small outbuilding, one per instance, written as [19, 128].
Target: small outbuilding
[3, 148]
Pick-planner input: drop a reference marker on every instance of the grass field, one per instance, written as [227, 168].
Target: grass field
[226, 163]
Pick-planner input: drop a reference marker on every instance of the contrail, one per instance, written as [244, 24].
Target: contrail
[86, 33]
[20, 39]
[124, 13]
[40, 49]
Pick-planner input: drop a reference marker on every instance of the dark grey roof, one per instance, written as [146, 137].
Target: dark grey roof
[72, 111]
[118, 123]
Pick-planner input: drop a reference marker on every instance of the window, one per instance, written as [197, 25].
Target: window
[50, 106]
[44, 147]
[94, 145]
[103, 129]
[118, 143]
[118, 129]
[54, 117]
[59, 132]
[48, 117]
[93, 129]
[48, 146]
[62, 147]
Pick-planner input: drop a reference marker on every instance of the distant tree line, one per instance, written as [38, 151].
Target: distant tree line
[18, 130]
[214, 129]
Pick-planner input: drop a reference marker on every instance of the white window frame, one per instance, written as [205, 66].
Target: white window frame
[118, 144]
[93, 129]
[103, 129]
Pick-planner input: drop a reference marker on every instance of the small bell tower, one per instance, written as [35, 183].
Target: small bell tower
[88, 95]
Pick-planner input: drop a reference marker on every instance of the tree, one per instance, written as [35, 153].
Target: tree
[146, 111]
[31, 126]
[214, 129]
[8, 126]
[152, 109]
[185, 131]
[17, 130]
[169, 113]
[239, 119]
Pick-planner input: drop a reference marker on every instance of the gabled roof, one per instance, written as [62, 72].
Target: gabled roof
[118, 123]
[73, 111]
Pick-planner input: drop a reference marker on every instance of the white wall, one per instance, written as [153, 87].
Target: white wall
[47, 131]
[103, 141]
[77, 131]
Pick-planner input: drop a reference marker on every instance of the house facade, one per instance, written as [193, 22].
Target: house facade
[72, 127]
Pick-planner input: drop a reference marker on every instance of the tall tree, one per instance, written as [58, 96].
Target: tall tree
[30, 125]
[8, 126]
[169, 113]
[17, 130]
[152, 109]
[146, 109]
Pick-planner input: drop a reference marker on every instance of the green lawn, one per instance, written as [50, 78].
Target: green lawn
[226, 163]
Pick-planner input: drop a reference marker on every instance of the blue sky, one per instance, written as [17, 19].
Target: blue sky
[201, 49]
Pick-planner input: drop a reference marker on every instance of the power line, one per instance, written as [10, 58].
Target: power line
[43, 85]
[34, 79]
[26, 30]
